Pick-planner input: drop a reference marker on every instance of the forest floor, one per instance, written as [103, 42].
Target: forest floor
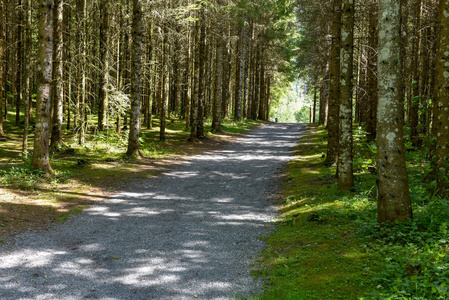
[191, 231]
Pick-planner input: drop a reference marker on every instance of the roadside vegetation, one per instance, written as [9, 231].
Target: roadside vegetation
[328, 244]
[86, 174]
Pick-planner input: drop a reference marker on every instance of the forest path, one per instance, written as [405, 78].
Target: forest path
[188, 233]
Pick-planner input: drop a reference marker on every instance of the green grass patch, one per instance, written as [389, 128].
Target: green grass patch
[327, 243]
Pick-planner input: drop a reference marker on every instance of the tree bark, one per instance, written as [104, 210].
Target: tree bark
[441, 107]
[216, 123]
[104, 67]
[371, 75]
[415, 97]
[345, 164]
[2, 66]
[334, 86]
[393, 199]
[136, 57]
[19, 65]
[41, 160]
[27, 79]
[239, 75]
[201, 72]
[57, 92]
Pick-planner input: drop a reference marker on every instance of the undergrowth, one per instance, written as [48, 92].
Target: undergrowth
[328, 244]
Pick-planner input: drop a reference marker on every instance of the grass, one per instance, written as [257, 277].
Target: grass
[89, 173]
[327, 243]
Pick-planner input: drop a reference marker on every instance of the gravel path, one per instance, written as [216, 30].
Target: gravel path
[189, 233]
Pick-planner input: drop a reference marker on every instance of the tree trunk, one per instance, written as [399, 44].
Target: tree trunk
[163, 83]
[315, 91]
[261, 98]
[256, 96]
[324, 92]
[345, 165]
[195, 95]
[41, 160]
[239, 75]
[81, 76]
[104, 67]
[216, 123]
[371, 75]
[136, 57]
[19, 65]
[57, 92]
[441, 107]
[2, 66]
[201, 75]
[226, 79]
[393, 199]
[27, 78]
[334, 86]
[68, 67]
[415, 97]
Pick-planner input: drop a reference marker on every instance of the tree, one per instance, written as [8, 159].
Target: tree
[27, 79]
[57, 87]
[345, 165]
[136, 57]
[441, 106]
[2, 71]
[104, 70]
[334, 86]
[393, 200]
[44, 76]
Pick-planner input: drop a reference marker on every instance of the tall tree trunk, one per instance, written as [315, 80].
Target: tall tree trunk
[2, 66]
[216, 123]
[415, 97]
[136, 57]
[261, 89]
[68, 68]
[163, 83]
[239, 75]
[226, 79]
[255, 99]
[104, 67]
[393, 199]
[41, 160]
[315, 92]
[27, 78]
[334, 86]
[345, 165]
[80, 96]
[441, 107]
[324, 91]
[201, 72]
[57, 92]
[372, 76]
[19, 65]
[196, 77]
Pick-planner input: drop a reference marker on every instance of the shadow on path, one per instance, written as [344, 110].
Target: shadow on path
[189, 232]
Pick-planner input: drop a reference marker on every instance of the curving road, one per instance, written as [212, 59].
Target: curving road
[189, 233]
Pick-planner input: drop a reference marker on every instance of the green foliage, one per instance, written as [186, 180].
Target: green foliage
[329, 245]
[23, 177]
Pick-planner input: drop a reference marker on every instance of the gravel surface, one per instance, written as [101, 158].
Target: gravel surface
[189, 233]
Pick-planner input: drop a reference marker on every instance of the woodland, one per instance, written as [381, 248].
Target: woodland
[125, 81]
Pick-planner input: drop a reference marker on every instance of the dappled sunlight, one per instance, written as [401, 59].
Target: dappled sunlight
[188, 232]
